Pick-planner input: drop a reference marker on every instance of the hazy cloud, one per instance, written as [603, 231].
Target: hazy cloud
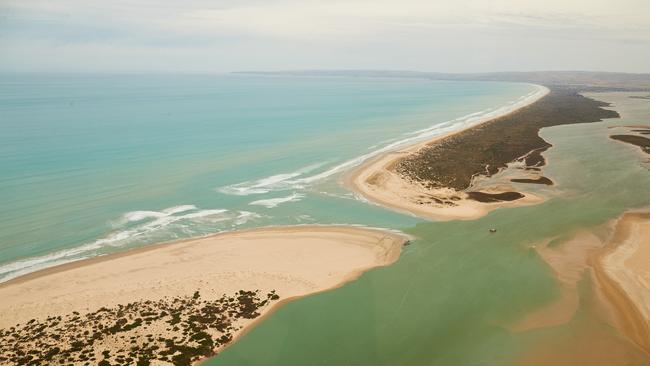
[202, 35]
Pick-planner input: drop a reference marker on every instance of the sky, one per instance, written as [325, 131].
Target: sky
[271, 35]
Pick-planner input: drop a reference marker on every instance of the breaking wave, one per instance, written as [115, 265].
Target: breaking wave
[299, 179]
[268, 184]
[272, 202]
[167, 224]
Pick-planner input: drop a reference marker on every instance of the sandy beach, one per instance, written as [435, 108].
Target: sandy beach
[243, 274]
[378, 181]
[466, 174]
[624, 270]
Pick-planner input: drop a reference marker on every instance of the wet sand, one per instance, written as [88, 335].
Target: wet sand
[569, 258]
[624, 271]
[617, 257]
[604, 277]
[209, 289]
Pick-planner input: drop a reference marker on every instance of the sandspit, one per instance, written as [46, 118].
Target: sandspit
[178, 302]
[466, 174]
[378, 181]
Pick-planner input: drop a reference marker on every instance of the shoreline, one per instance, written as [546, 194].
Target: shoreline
[617, 256]
[622, 269]
[613, 258]
[364, 178]
[468, 173]
[143, 249]
[243, 273]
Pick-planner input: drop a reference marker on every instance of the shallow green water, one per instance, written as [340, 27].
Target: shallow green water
[452, 295]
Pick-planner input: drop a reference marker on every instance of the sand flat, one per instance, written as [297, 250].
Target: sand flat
[626, 265]
[569, 261]
[629, 263]
[288, 261]
[294, 261]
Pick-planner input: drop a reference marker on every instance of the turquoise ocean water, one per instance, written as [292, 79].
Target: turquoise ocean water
[93, 164]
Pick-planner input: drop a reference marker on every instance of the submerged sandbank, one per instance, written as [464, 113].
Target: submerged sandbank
[603, 275]
[180, 299]
[458, 176]
[625, 275]
[617, 255]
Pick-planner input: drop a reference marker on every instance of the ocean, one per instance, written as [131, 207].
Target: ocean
[93, 164]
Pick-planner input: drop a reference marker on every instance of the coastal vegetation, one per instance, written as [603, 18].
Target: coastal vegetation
[486, 149]
[178, 330]
[642, 142]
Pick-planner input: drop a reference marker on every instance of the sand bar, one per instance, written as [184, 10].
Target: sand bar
[496, 162]
[616, 254]
[624, 270]
[283, 262]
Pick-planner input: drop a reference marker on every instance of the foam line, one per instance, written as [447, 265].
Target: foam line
[147, 222]
[296, 181]
[273, 202]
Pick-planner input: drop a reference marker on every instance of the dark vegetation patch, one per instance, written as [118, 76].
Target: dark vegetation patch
[642, 131]
[535, 159]
[433, 200]
[494, 197]
[178, 330]
[489, 147]
[640, 141]
[540, 180]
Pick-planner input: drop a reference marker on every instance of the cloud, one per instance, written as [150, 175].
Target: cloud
[235, 34]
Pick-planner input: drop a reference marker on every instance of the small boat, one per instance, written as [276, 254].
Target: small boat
[493, 230]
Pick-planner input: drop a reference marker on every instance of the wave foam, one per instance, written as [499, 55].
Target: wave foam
[294, 180]
[272, 202]
[273, 183]
[146, 222]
